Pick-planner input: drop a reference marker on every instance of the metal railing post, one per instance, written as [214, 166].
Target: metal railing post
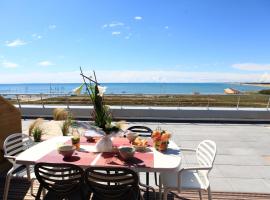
[238, 102]
[208, 102]
[42, 100]
[120, 101]
[19, 103]
[67, 100]
[267, 107]
[179, 104]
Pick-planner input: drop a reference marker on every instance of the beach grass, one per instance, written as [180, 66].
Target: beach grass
[247, 100]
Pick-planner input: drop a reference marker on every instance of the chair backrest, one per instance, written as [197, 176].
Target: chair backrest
[206, 153]
[61, 179]
[15, 144]
[112, 183]
[141, 130]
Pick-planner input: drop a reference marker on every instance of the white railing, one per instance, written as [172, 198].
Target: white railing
[180, 101]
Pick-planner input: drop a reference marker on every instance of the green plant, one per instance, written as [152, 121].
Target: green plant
[267, 92]
[101, 114]
[67, 123]
[37, 133]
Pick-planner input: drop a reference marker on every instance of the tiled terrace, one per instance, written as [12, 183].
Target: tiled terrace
[241, 166]
[243, 159]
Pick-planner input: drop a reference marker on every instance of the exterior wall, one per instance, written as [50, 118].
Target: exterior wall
[10, 122]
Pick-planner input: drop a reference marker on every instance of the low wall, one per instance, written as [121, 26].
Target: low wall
[159, 113]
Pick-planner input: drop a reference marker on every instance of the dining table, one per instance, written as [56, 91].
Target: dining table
[150, 160]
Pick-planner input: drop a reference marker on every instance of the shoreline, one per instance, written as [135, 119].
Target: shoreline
[257, 84]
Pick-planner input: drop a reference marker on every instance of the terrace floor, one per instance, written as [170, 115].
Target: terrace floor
[20, 190]
[243, 159]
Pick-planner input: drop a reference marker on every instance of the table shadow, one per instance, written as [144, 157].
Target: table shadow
[72, 159]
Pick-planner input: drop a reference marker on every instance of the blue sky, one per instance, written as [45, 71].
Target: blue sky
[135, 41]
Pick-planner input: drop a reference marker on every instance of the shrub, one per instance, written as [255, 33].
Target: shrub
[267, 92]
[60, 114]
[37, 132]
[35, 124]
[67, 123]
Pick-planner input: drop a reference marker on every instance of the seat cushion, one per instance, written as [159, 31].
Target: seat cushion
[190, 179]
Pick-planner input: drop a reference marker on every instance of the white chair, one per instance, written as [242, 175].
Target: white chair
[14, 145]
[192, 178]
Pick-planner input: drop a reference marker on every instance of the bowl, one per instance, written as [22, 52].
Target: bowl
[66, 150]
[131, 136]
[126, 152]
[140, 148]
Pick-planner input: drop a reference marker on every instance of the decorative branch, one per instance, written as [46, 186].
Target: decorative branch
[87, 89]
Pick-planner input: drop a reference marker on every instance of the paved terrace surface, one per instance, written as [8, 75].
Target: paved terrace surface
[243, 159]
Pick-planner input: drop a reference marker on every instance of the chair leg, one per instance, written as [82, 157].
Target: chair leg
[165, 194]
[156, 179]
[7, 183]
[39, 193]
[28, 172]
[147, 183]
[200, 193]
[209, 193]
[32, 186]
[160, 188]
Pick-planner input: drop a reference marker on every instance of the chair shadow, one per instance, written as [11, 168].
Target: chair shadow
[170, 151]
[18, 188]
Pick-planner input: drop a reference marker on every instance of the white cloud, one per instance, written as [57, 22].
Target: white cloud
[45, 63]
[251, 66]
[138, 18]
[15, 43]
[52, 26]
[7, 64]
[130, 76]
[116, 24]
[128, 36]
[116, 33]
[36, 36]
[113, 24]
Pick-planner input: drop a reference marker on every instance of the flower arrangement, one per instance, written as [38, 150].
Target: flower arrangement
[101, 114]
[161, 139]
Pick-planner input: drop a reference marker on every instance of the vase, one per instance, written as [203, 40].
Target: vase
[104, 144]
[161, 146]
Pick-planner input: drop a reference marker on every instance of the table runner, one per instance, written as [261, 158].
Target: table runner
[84, 157]
[80, 158]
[139, 160]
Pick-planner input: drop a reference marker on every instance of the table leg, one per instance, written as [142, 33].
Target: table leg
[147, 183]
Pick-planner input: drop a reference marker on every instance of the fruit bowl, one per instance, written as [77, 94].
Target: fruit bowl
[140, 148]
[66, 150]
[126, 152]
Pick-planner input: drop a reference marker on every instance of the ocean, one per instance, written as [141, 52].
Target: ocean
[129, 88]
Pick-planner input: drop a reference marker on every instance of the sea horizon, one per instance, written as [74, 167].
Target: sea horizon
[130, 88]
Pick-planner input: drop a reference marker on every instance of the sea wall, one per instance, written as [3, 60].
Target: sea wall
[172, 114]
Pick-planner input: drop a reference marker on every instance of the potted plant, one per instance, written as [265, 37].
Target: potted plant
[101, 113]
[37, 133]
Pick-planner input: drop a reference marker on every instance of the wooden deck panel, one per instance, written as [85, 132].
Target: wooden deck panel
[20, 190]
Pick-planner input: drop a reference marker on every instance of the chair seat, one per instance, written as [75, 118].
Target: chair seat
[21, 172]
[190, 180]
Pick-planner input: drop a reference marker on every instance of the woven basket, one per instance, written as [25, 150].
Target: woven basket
[10, 122]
